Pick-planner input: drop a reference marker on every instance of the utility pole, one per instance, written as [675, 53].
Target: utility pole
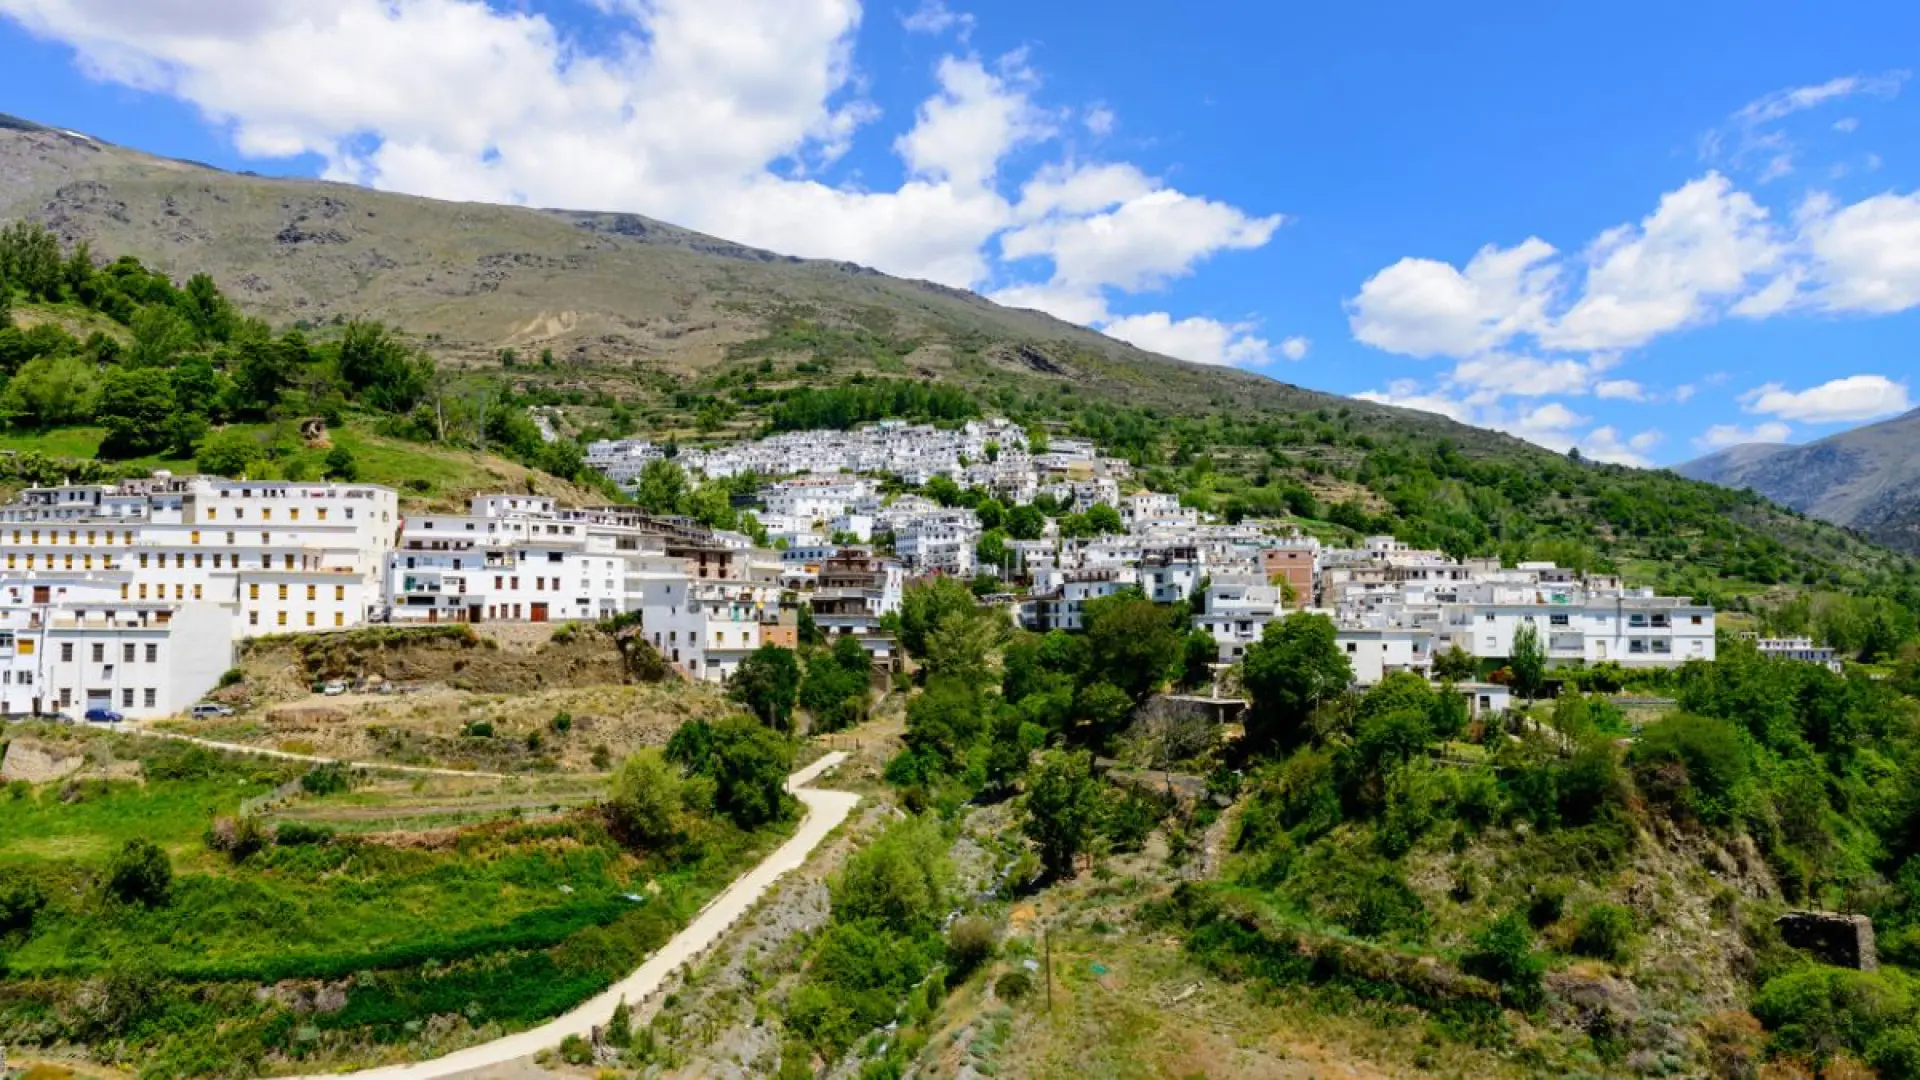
[1046, 943]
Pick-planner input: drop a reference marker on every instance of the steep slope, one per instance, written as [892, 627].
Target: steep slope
[601, 290]
[1867, 479]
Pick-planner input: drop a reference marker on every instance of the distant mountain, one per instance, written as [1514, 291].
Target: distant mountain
[1866, 479]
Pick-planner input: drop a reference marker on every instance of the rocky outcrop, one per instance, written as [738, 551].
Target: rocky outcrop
[1841, 940]
[38, 764]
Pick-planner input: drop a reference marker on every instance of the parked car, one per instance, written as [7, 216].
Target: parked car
[208, 709]
[334, 688]
[103, 716]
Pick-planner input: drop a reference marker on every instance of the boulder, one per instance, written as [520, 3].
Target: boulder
[1841, 940]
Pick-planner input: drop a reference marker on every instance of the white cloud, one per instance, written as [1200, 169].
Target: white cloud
[714, 114]
[1783, 103]
[1295, 348]
[1605, 444]
[1422, 307]
[1754, 131]
[1864, 257]
[1526, 376]
[1847, 125]
[1406, 394]
[1620, 390]
[1721, 436]
[1856, 397]
[1684, 393]
[1100, 121]
[1705, 241]
[1203, 341]
[934, 17]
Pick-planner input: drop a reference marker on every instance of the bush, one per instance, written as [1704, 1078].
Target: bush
[478, 729]
[1547, 904]
[21, 898]
[575, 1050]
[232, 677]
[1503, 954]
[328, 779]
[1606, 933]
[1695, 765]
[236, 837]
[300, 834]
[1014, 985]
[971, 943]
[561, 723]
[140, 874]
[1822, 1011]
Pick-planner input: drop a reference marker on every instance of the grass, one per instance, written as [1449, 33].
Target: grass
[524, 918]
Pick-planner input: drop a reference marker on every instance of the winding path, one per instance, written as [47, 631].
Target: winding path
[286, 755]
[824, 811]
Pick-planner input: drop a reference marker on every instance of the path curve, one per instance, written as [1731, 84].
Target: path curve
[824, 811]
[287, 755]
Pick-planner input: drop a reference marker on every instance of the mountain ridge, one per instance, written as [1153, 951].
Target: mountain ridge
[1866, 478]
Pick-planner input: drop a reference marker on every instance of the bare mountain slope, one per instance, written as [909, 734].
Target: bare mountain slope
[1867, 478]
[600, 289]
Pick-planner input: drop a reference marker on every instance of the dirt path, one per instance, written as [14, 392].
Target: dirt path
[824, 811]
[262, 751]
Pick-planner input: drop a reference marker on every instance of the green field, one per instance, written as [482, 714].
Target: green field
[502, 903]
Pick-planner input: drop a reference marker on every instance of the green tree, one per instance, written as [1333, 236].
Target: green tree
[228, 453]
[1198, 655]
[160, 335]
[768, 682]
[711, 505]
[1528, 661]
[380, 368]
[1455, 664]
[49, 391]
[1294, 667]
[140, 873]
[749, 765]
[1062, 806]
[991, 551]
[1026, 522]
[643, 804]
[662, 488]
[1132, 642]
[991, 512]
[340, 465]
[925, 604]
[1104, 520]
[899, 881]
[135, 405]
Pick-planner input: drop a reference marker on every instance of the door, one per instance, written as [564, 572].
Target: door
[539, 613]
[99, 699]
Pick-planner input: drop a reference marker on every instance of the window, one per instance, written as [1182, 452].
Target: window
[1696, 620]
[128, 651]
[230, 541]
[218, 559]
[150, 697]
[1488, 616]
[196, 592]
[280, 619]
[99, 652]
[153, 653]
[123, 590]
[26, 677]
[66, 652]
[266, 540]
[1352, 647]
[143, 560]
[253, 618]
[196, 536]
[339, 593]
[253, 591]
[66, 697]
[339, 618]
[309, 618]
[179, 592]
[143, 592]
[1557, 620]
[294, 513]
[266, 513]
[126, 698]
[199, 560]
[321, 513]
[283, 592]
[69, 561]
[213, 513]
[287, 561]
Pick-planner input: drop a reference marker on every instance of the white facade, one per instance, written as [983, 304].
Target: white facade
[705, 628]
[282, 557]
[1376, 653]
[1236, 609]
[71, 645]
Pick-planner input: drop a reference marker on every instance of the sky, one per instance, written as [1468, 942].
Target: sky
[1645, 230]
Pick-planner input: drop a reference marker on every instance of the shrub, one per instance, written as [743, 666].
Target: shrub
[1823, 1011]
[21, 898]
[232, 677]
[478, 729]
[1606, 933]
[140, 874]
[561, 723]
[1693, 764]
[1547, 904]
[643, 806]
[971, 943]
[328, 779]
[299, 834]
[1013, 985]
[237, 837]
[575, 1050]
[1503, 954]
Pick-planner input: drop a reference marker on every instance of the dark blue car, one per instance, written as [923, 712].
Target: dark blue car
[103, 716]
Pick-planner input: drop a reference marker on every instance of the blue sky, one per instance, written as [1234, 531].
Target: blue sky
[1641, 229]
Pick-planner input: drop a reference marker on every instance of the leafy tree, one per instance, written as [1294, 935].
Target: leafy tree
[1062, 806]
[662, 488]
[991, 549]
[1026, 522]
[140, 873]
[991, 512]
[643, 805]
[899, 881]
[768, 682]
[1694, 763]
[1198, 655]
[1104, 520]
[1528, 661]
[1132, 642]
[943, 723]
[135, 406]
[565, 459]
[1296, 665]
[749, 766]
[228, 453]
[1503, 954]
[160, 336]
[961, 646]
[925, 604]
[1455, 664]
[340, 465]
[380, 368]
[49, 391]
[837, 683]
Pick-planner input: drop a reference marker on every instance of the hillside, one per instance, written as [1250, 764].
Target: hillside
[1866, 479]
[619, 325]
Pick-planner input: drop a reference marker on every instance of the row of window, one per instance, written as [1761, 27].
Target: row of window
[130, 652]
[313, 592]
[280, 619]
[159, 562]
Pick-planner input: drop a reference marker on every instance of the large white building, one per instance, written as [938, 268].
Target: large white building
[283, 557]
[70, 644]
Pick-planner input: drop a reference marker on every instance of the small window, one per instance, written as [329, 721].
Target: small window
[280, 619]
[150, 697]
[313, 592]
[153, 653]
[309, 618]
[66, 652]
[283, 592]
[339, 593]
[126, 698]
[253, 591]
[339, 618]
[99, 652]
